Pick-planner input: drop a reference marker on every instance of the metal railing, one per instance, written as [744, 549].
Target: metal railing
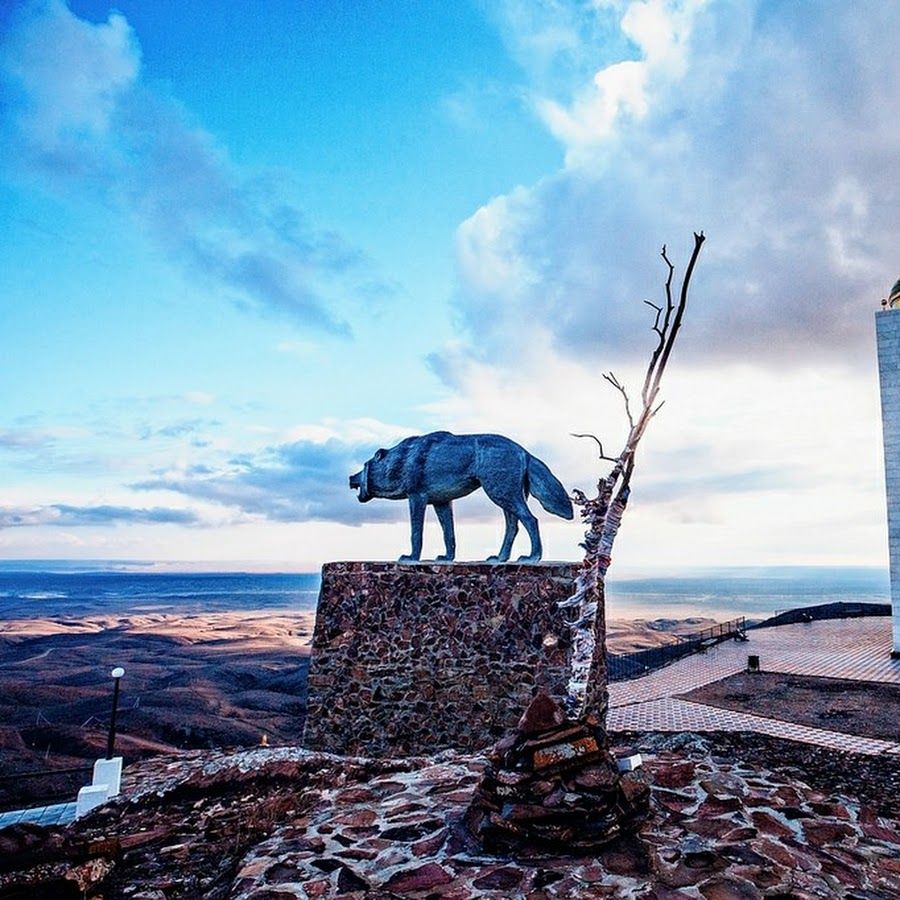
[31, 796]
[838, 610]
[623, 666]
[43, 773]
[61, 784]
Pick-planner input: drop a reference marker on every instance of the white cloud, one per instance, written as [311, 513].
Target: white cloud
[743, 466]
[201, 398]
[302, 478]
[729, 121]
[660, 31]
[75, 71]
[79, 117]
[97, 515]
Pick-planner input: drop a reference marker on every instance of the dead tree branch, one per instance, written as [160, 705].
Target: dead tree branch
[621, 389]
[599, 443]
[603, 513]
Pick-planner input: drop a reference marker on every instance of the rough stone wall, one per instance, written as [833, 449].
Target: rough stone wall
[414, 658]
[887, 327]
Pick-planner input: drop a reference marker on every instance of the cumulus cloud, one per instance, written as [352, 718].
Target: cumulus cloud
[744, 465]
[302, 479]
[772, 128]
[62, 514]
[624, 89]
[78, 114]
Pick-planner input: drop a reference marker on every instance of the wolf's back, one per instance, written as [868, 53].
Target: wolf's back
[548, 489]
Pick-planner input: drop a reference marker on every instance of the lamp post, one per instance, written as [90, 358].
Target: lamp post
[116, 674]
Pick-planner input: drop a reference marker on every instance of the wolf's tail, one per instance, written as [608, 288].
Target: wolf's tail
[548, 489]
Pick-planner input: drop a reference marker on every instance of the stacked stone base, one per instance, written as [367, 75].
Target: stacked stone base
[409, 659]
[553, 783]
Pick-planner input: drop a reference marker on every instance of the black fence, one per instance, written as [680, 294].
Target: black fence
[24, 789]
[838, 610]
[623, 666]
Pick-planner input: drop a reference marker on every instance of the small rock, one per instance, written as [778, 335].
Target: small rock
[422, 878]
[349, 881]
[819, 833]
[543, 713]
[723, 887]
[505, 878]
[673, 775]
[768, 824]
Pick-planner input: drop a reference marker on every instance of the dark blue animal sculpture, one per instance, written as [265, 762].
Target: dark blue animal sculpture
[440, 467]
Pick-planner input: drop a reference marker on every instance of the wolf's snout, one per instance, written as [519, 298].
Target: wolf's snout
[358, 482]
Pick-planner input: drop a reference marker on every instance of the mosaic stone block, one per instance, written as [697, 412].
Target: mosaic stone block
[414, 658]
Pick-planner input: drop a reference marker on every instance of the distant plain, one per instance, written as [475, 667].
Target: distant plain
[221, 659]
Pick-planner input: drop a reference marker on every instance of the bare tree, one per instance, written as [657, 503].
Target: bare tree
[587, 692]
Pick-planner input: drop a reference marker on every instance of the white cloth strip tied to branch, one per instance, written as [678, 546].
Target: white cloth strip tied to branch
[603, 514]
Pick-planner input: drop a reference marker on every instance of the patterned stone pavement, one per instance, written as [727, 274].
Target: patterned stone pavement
[57, 814]
[856, 649]
[285, 823]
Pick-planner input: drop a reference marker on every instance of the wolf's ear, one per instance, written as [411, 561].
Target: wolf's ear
[380, 454]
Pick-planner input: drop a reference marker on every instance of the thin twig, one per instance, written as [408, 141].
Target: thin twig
[663, 332]
[611, 378]
[599, 443]
[679, 313]
[659, 310]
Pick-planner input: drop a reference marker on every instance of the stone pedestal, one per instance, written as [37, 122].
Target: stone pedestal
[414, 658]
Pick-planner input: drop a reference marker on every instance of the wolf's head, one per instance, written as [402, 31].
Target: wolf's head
[380, 476]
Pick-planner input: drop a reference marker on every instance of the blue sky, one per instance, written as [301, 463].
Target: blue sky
[242, 246]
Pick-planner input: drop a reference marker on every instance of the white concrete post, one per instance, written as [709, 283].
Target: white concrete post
[109, 772]
[89, 798]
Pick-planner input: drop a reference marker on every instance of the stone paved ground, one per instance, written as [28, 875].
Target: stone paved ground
[719, 831]
[855, 649]
[287, 823]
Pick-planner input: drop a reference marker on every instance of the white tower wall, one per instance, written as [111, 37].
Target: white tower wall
[887, 329]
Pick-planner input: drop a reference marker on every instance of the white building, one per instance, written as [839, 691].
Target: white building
[887, 330]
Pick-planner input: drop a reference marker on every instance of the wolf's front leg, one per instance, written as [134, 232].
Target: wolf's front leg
[416, 521]
[512, 527]
[445, 517]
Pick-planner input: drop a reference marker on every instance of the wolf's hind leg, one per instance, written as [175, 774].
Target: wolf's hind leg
[416, 521]
[445, 517]
[529, 520]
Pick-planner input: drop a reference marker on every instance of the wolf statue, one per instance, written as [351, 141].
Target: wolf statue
[440, 467]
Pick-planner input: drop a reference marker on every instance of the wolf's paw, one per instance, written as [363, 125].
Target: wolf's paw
[447, 557]
[529, 559]
[406, 558]
[497, 559]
